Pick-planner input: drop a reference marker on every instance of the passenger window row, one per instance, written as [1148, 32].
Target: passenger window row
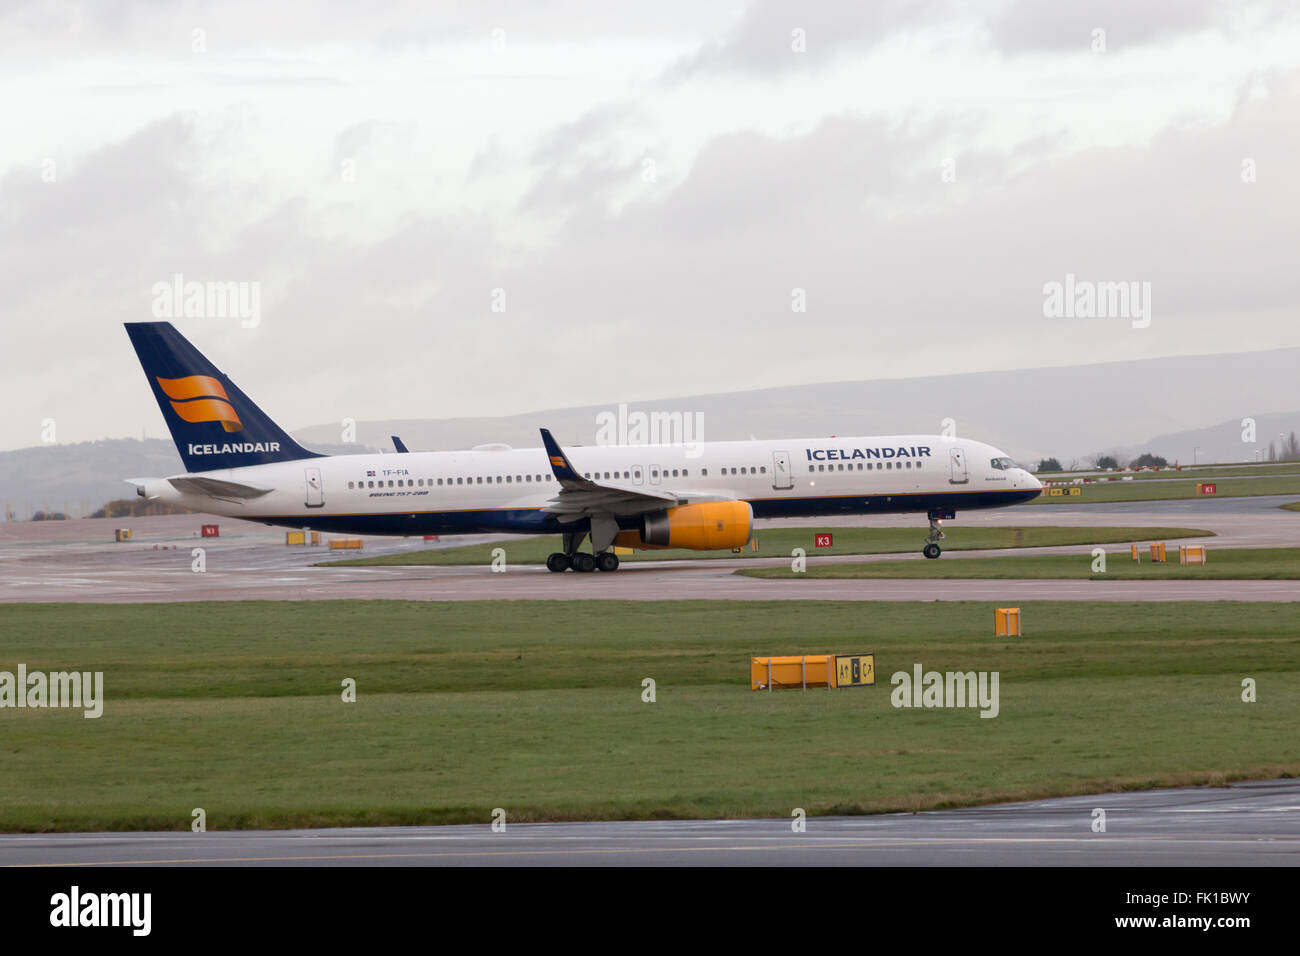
[634, 474]
[430, 482]
[672, 473]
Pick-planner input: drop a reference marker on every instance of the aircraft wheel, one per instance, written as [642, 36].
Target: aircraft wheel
[557, 561]
[931, 550]
[583, 562]
[607, 561]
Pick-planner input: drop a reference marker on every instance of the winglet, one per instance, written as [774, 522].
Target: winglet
[560, 464]
[399, 445]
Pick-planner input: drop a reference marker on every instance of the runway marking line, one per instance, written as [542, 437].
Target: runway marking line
[859, 845]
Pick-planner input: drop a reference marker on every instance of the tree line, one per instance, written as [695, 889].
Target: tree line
[1288, 449]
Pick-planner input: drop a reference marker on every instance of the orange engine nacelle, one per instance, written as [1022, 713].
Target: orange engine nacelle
[708, 526]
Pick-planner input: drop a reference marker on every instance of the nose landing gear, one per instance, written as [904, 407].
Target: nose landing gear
[932, 549]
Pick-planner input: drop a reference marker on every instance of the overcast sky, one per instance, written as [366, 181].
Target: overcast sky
[645, 184]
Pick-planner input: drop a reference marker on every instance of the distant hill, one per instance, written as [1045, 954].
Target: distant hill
[1221, 442]
[1069, 413]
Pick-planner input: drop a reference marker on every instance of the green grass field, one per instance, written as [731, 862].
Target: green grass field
[536, 707]
[1273, 564]
[777, 541]
[1292, 506]
[1138, 490]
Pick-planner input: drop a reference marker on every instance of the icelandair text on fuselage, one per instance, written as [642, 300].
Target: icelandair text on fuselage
[847, 454]
[237, 448]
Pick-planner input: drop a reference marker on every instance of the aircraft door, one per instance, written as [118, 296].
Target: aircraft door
[654, 474]
[781, 475]
[315, 489]
[957, 458]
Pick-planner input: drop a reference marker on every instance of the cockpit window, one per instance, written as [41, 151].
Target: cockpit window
[1003, 464]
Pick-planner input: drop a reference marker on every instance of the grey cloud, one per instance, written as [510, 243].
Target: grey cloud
[896, 263]
[760, 42]
[685, 289]
[578, 166]
[1034, 26]
[370, 141]
[565, 188]
[593, 126]
[102, 214]
[246, 27]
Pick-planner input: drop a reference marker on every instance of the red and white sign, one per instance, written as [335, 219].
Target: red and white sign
[1207, 488]
[211, 531]
[822, 540]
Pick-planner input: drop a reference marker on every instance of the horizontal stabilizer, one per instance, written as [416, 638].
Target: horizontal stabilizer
[216, 487]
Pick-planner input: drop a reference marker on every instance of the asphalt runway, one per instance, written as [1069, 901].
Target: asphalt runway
[77, 561]
[1248, 824]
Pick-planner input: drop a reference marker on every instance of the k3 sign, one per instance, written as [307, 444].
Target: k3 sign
[822, 540]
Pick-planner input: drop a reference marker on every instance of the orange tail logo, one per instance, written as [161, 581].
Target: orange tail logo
[558, 461]
[200, 398]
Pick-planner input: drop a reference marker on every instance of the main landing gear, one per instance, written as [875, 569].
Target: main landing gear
[932, 549]
[571, 557]
[582, 561]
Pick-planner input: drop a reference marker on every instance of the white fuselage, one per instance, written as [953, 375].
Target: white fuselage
[507, 489]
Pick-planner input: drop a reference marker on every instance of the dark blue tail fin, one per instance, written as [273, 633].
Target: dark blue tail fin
[213, 423]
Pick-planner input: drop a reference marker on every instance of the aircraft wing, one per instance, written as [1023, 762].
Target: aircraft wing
[574, 503]
[581, 497]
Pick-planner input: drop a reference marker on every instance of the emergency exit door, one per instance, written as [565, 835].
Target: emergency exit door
[315, 489]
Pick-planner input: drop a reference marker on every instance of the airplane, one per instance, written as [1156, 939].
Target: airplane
[698, 496]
